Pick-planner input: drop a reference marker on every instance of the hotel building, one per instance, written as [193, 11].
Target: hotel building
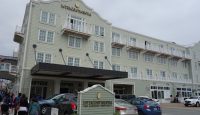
[65, 46]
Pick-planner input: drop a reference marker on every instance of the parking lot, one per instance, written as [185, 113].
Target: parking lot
[179, 109]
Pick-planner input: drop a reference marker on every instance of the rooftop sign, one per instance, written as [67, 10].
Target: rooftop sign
[75, 9]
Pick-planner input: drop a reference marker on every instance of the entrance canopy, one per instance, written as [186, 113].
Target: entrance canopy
[65, 71]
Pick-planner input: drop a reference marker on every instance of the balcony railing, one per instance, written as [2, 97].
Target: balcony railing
[118, 42]
[19, 34]
[84, 30]
[166, 79]
[134, 45]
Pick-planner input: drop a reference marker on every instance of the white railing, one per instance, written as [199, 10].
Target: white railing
[118, 40]
[84, 28]
[19, 29]
[135, 44]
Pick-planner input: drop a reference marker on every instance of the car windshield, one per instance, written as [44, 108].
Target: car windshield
[121, 102]
[57, 96]
[193, 98]
[151, 103]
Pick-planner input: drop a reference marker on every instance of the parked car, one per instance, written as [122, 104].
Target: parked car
[147, 107]
[122, 107]
[193, 101]
[146, 97]
[66, 103]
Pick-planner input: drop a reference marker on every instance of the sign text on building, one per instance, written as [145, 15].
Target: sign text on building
[75, 9]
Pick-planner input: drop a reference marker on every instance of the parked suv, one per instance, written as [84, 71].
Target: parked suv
[193, 101]
[66, 103]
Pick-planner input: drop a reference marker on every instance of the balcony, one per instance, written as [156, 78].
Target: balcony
[19, 34]
[134, 46]
[84, 31]
[117, 42]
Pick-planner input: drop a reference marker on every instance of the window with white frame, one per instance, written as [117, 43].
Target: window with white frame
[98, 46]
[76, 23]
[172, 50]
[185, 64]
[132, 41]
[5, 67]
[147, 44]
[99, 31]
[174, 62]
[116, 51]
[148, 57]
[72, 61]
[185, 76]
[46, 36]
[44, 57]
[174, 75]
[133, 55]
[133, 72]
[162, 74]
[116, 67]
[149, 73]
[74, 41]
[161, 60]
[116, 37]
[98, 64]
[47, 17]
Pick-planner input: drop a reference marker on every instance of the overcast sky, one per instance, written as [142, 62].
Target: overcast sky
[170, 20]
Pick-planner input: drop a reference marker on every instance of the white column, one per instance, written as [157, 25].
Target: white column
[109, 85]
[57, 86]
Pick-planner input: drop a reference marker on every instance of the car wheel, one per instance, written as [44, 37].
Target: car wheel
[43, 110]
[186, 105]
[197, 104]
[140, 113]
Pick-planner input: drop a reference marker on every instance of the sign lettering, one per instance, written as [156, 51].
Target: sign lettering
[75, 10]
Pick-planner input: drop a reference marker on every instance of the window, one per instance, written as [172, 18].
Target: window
[116, 51]
[73, 61]
[174, 62]
[162, 74]
[4, 67]
[148, 57]
[133, 55]
[172, 50]
[116, 67]
[174, 75]
[47, 17]
[149, 73]
[185, 76]
[98, 64]
[76, 23]
[99, 31]
[46, 36]
[74, 42]
[133, 71]
[161, 60]
[147, 45]
[185, 64]
[44, 57]
[132, 41]
[115, 37]
[98, 46]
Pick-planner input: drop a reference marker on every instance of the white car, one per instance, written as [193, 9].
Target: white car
[193, 101]
[146, 97]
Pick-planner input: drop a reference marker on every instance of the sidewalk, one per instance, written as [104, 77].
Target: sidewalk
[178, 106]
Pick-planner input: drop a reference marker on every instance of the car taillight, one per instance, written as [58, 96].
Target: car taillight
[120, 108]
[146, 106]
[73, 106]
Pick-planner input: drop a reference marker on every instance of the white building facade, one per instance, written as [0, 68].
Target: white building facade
[65, 47]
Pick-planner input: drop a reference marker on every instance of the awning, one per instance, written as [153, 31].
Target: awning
[65, 71]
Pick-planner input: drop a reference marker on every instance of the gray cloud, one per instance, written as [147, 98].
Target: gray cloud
[170, 20]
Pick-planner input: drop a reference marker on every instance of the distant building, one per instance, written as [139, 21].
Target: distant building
[8, 71]
[65, 46]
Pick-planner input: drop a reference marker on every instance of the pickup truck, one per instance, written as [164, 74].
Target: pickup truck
[193, 101]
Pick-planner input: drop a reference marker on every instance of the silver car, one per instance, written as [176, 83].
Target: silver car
[124, 108]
